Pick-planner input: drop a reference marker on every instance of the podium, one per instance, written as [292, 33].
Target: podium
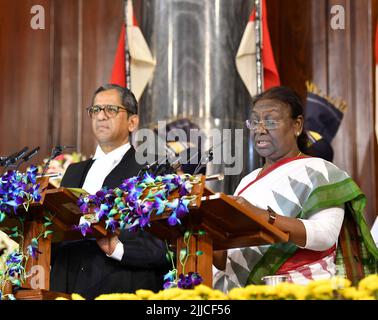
[227, 224]
[59, 204]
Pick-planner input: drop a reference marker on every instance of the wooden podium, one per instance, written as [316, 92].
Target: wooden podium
[59, 204]
[227, 224]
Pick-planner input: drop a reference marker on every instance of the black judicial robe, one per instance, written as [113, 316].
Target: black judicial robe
[82, 267]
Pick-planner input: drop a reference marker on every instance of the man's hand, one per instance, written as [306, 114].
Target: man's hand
[108, 244]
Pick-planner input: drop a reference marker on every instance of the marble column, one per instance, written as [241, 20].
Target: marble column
[195, 44]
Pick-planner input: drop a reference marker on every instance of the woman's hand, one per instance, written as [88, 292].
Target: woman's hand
[294, 227]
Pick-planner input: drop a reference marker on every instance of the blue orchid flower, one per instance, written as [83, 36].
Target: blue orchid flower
[189, 281]
[33, 251]
[14, 258]
[111, 224]
[84, 228]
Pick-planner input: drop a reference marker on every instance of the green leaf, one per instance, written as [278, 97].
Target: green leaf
[16, 282]
[34, 242]
[2, 216]
[14, 235]
[199, 253]
[183, 255]
[113, 212]
[47, 232]
[187, 234]
[170, 255]
[46, 224]
[201, 232]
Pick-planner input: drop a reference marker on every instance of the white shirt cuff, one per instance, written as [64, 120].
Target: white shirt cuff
[118, 252]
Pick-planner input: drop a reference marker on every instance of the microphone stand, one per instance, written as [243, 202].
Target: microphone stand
[28, 156]
[209, 157]
[13, 158]
[56, 151]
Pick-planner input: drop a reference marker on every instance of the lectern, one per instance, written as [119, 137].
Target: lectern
[227, 224]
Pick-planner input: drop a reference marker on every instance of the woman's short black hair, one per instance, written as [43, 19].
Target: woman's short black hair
[290, 98]
[127, 97]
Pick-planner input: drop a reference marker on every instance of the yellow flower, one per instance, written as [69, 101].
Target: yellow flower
[207, 293]
[238, 294]
[76, 296]
[291, 291]
[61, 298]
[168, 294]
[144, 294]
[188, 295]
[369, 284]
[340, 283]
[118, 296]
[322, 292]
[218, 295]
[353, 294]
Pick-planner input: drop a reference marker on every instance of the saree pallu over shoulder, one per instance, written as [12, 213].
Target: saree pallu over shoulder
[297, 188]
[329, 188]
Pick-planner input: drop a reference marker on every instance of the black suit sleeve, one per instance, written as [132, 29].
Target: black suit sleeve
[142, 250]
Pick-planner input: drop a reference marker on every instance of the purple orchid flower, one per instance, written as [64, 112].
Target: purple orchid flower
[33, 251]
[185, 188]
[14, 258]
[84, 228]
[172, 220]
[159, 205]
[111, 224]
[182, 208]
[189, 281]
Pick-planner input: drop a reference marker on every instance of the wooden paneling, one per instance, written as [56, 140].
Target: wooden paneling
[341, 63]
[291, 35]
[48, 76]
[25, 78]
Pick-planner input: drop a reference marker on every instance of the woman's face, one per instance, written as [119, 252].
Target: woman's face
[279, 141]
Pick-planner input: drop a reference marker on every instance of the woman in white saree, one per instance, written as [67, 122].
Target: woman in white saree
[307, 197]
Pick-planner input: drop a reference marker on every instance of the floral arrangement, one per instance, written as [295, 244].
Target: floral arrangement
[330, 289]
[132, 204]
[18, 189]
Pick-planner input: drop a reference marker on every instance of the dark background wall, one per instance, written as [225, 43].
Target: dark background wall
[47, 77]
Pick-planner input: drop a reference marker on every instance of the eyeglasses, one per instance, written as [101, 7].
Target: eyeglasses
[268, 124]
[110, 110]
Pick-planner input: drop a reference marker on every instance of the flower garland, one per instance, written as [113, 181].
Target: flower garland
[131, 206]
[329, 289]
[18, 189]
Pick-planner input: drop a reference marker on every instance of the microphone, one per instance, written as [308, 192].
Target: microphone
[56, 151]
[149, 167]
[206, 158]
[28, 156]
[13, 158]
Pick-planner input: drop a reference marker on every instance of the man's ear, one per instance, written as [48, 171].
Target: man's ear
[133, 122]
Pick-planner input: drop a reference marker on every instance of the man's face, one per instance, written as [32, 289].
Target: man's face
[112, 132]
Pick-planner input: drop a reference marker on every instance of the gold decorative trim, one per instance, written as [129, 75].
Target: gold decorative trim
[339, 103]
